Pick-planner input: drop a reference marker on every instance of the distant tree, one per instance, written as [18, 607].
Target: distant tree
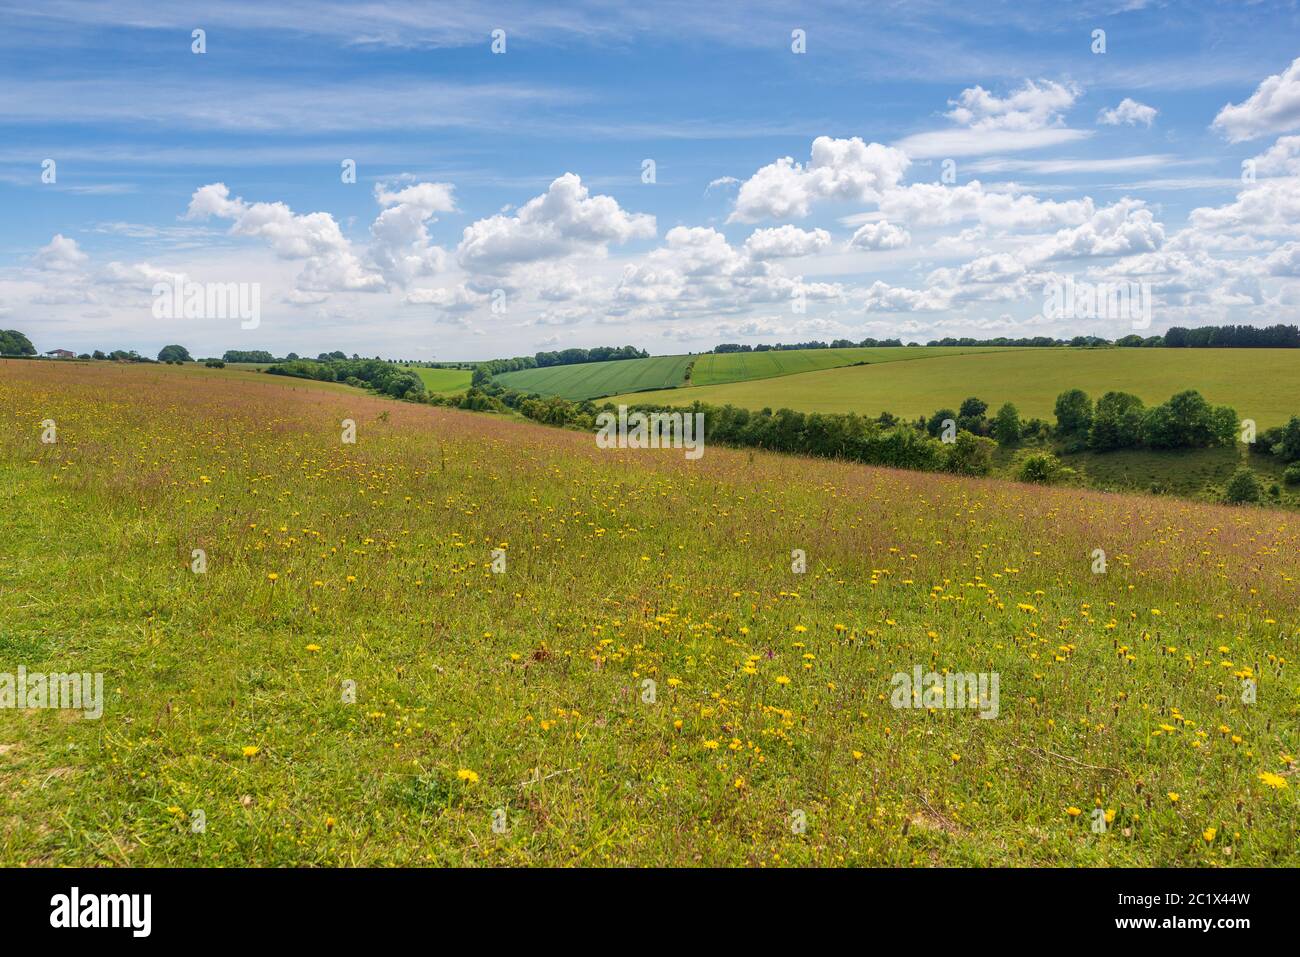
[1187, 421]
[1117, 422]
[970, 416]
[14, 343]
[1288, 444]
[1006, 425]
[98, 354]
[291, 356]
[174, 354]
[935, 425]
[1073, 413]
[405, 384]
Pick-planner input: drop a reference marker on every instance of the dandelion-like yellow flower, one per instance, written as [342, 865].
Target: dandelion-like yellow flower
[468, 776]
[1273, 780]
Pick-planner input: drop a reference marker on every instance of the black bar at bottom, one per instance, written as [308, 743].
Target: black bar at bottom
[331, 906]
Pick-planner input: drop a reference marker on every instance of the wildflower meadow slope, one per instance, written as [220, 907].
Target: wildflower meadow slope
[467, 640]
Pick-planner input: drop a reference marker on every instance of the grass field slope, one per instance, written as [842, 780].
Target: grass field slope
[716, 369]
[443, 380]
[1263, 384]
[648, 679]
[589, 380]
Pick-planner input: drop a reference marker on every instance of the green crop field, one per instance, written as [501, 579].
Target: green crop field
[443, 380]
[647, 678]
[1262, 384]
[589, 380]
[741, 366]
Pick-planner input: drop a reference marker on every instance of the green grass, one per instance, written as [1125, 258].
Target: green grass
[1191, 473]
[741, 366]
[1262, 384]
[525, 691]
[589, 380]
[443, 380]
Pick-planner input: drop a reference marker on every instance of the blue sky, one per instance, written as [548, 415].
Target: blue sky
[813, 178]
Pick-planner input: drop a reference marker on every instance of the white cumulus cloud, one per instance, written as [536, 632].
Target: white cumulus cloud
[880, 235]
[838, 169]
[1129, 112]
[564, 220]
[1274, 107]
[331, 265]
[786, 242]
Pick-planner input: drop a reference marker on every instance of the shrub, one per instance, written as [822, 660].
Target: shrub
[1244, 486]
[970, 455]
[1266, 442]
[1043, 468]
[1292, 474]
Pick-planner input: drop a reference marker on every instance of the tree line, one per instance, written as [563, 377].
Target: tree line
[1176, 337]
[377, 374]
[490, 367]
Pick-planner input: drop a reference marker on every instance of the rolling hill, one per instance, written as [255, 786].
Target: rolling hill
[589, 380]
[1262, 384]
[717, 369]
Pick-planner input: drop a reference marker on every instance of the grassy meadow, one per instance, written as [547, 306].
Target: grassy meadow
[589, 380]
[521, 697]
[1263, 384]
[716, 369]
[443, 380]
